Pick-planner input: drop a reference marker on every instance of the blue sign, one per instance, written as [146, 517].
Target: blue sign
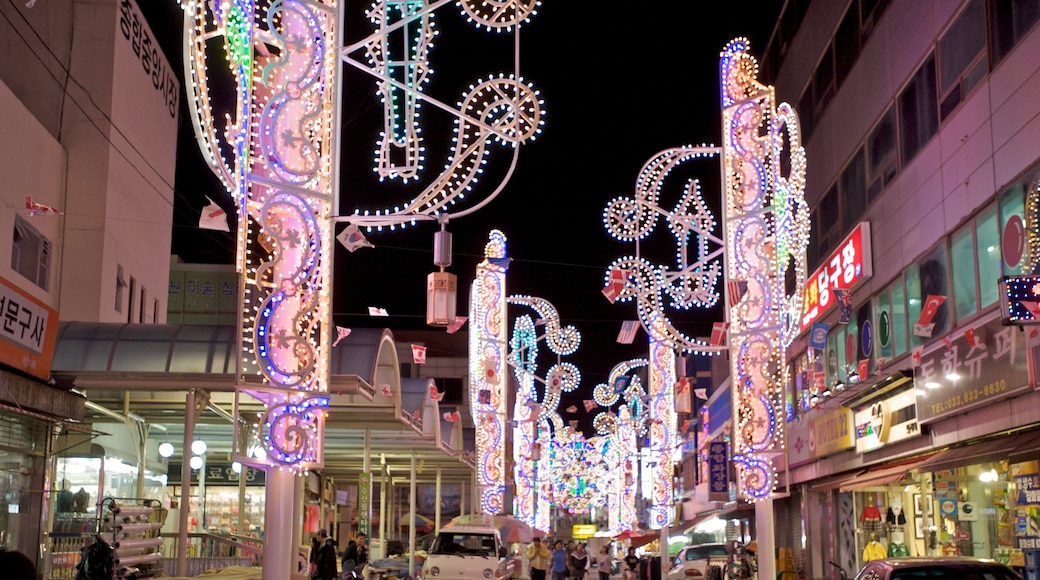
[818, 335]
[718, 471]
[866, 342]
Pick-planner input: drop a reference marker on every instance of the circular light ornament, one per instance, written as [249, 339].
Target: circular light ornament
[166, 449]
[195, 462]
[198, 447]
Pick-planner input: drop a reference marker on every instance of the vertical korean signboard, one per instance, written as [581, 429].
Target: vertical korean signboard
[364, 500]
[718, 472]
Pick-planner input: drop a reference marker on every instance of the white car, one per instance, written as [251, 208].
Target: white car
[692, 561]
[467, 552]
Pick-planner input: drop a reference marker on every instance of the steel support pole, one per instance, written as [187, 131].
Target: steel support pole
[411, 518]
[766, 553]
[437, 506]
[185, 505]
[279, 546]
[382, 515]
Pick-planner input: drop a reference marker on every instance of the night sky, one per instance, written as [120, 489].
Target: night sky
[619, 85]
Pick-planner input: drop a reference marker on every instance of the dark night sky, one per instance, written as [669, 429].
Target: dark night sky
[619, 85]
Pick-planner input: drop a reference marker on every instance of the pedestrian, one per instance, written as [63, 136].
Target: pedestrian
[327, 565]
[350, 556]
[16, 565]
[579, 562]
[632, 564]
[559, 561]
[315, 548]
[570, 550]
[603, 563]
[538, 555]
[362, 551]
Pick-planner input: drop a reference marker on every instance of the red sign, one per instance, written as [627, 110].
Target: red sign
[847, 267]
[28, 329]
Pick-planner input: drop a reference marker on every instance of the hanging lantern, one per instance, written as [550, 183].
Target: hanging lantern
[441, 287]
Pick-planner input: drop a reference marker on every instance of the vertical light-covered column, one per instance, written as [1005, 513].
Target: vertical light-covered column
[487, 372]
[661, 432]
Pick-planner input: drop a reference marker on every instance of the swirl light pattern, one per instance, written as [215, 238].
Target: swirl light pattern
[281, 143]
[662, 433]
[767, 232]
[487, 368]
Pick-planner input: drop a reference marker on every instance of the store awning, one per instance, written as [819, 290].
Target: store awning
[701, 517]
[992, 449]
[835, 481]
[882, 474]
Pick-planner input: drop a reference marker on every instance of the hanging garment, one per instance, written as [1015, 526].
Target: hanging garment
[871, 519]
[898, 550]
[874, 550]
[895, 516]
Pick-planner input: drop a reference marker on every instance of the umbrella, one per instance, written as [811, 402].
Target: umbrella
[628, 535]
[420, 521]
[510, 528]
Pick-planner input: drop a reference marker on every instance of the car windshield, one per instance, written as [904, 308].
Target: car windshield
[955, 571]
[705, 552]
[464, 544]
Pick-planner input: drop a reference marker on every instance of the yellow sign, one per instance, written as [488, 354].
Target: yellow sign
[833, 432]
[583, 531]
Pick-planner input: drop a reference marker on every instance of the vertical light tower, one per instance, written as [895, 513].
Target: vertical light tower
[767, 232]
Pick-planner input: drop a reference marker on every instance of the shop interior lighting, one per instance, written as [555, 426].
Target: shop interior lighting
[166, 449]
[199, 447]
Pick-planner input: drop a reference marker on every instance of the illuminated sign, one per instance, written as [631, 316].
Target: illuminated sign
[884, 421]
[582, 531]
[847, 266]
[28, 328]
[1020, 299]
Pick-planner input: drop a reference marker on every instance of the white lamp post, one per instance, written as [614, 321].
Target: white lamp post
[441, 287]
[198, 463]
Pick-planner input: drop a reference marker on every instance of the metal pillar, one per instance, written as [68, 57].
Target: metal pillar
[382, 515]
[411, 517]
[766, 542]
[182, 528]
[279, 547]
[462, 499]
[437, 503]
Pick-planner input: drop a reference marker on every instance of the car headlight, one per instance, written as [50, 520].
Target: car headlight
[488, 572]
[435, 571]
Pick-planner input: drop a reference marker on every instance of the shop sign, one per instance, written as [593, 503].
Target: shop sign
[364, 503]
[583, 531]
[218, 474]
[718, 471]
[849, 265]
[801, 442]
[1027, 481]
[28, 328]
[885, 421]
[957, 378]
[833, 432]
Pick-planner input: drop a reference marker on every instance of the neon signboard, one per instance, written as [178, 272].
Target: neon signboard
[850, 264]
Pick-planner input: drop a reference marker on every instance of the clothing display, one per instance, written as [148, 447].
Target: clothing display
[898, 550]
[895, 516]
[874, 550]
[871, 518]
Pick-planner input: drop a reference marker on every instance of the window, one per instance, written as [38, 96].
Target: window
[1013, 230]
[120, 287]
[870, 14]
[965, 281]
[881, 154]
[141, 306]
[929, 277]
[846, 44]
[133, 300]
[823, 81]
[853, 192]
[805, 113]
[987, 237]
[918, 119]
[890, 309]
[961, 56]
[1009, 21]
[31, 253]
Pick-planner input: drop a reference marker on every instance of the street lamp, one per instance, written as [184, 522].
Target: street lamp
[198, 463]
[441, 287]
[166, 450]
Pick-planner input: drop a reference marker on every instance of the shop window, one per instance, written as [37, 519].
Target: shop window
[987, 238]
[31, 253]
[881, 154]
[918, 111]
[965, 279]
[1009, 22]
[962, 62]
[1013, 230]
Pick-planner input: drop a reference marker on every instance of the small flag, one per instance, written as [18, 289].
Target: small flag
[628, 331]
[818, 335]
[973, 341]
[1033, 307]
[863, 369]
[948, 342]
[435, 395]
[718, 333]
[571, 409]
[386, 390]
[490, 372]
[686, 425]
[844, 297]
[416, 414]
[736, 290]
[915, 356]
[213, 218]
[620, 384]
[615, 284]
[418, 354]
[341, 333]
[35, 208]
[682, 395]
[589, 404]
[376, 311]
[701, 394]
[452, 417]
[881, 364]
[931, 306]
[352, 238]
[455, 326]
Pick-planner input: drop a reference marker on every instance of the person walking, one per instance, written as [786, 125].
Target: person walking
[632, 564]
[579, 562]
[315, 548]
[603, 563]
[559, 562]
[327, 565]
[538, 555]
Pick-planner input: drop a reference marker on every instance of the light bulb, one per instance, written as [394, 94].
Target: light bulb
[166, 450]
[195, 462]
[198, 447]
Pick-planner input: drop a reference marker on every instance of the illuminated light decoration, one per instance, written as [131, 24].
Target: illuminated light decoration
[400, 152]
[767, 231]
[1032, 227]
[661, 432]
[504, 108]
[561, 377]
[487, 367]
[580, 472]
[280, 142]
[694, 280]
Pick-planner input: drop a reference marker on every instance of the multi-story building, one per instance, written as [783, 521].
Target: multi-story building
[913, 411]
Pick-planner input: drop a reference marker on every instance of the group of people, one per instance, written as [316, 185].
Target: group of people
[570, 561]
[324, 555]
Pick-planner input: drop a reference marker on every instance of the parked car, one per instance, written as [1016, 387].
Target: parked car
[693, 561]
[960, 567]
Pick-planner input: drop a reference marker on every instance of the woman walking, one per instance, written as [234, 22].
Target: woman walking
[559, 561]
[603, 563]
[579, 562]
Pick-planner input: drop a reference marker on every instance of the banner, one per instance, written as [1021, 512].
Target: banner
[718, 471]
[364, 496]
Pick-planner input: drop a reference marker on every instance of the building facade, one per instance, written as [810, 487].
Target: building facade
[912, 410]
